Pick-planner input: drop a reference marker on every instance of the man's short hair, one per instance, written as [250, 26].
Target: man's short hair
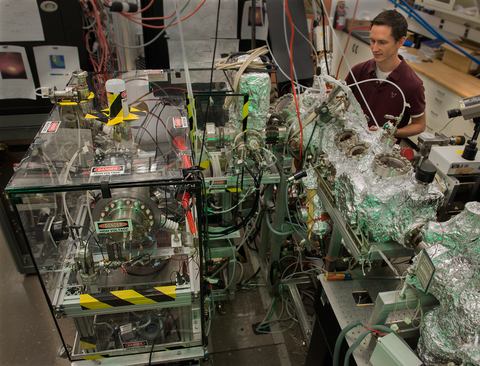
[394, 20]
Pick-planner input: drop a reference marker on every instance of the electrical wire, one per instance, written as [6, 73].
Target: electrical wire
[156, 18]
[210, 85]
[293, 85]
[348, 39]
[349, 68]
[164, 28]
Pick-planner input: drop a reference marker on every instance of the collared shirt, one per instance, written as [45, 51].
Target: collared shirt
[384, 98]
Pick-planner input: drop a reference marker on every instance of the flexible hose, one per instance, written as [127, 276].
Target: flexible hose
[354, 346]
[269, 224]
[341, 336]
[185, 199]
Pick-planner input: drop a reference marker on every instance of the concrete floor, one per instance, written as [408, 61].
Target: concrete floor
[28, 335]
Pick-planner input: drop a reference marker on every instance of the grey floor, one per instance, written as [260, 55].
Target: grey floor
[28, 336]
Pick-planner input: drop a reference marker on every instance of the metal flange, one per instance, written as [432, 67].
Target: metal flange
[346, 138]
[358, 150]
[390, 165]
[285, 107]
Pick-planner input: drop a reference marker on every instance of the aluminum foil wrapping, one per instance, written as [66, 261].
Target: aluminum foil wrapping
[450, 333]
[323, 64]
[314, 96]
[320, 226]
[461, 233]
[257, 86]
[386, 207]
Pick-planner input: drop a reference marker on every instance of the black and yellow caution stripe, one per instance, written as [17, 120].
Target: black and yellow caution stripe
[105, 116]
[176, 347]
[95, 357]
[127, 298]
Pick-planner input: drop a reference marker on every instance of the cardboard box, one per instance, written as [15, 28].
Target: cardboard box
[358, 24]
[454, 58]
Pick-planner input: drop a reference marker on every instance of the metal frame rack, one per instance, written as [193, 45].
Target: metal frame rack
[121, 273]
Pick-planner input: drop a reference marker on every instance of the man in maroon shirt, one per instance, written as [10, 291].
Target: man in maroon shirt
[388, 33]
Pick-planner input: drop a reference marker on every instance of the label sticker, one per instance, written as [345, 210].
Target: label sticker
[139, 344]
[156, 75]
[107, 170]
[463, 171]
[117, 226]
[180, 122]
[425, 270]
[51, 127]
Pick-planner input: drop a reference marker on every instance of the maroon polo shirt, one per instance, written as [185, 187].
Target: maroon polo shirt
[384, 98]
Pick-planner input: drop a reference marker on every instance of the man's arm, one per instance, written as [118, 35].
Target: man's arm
[415, 127]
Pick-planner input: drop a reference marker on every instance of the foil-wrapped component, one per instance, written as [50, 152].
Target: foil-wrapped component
[315, 95]
[257, 86]
[434, 346]
[322, 63]
[450, 333]
[385, 207]
[320, 225]
[461, 233]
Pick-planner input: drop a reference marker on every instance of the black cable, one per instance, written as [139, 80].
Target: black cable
[311, 136]
[153, 139]
[210, 87]
[324, 42]
[153, 343]
[156, 130]
[160, 267]
[255, 274]
[252, 212]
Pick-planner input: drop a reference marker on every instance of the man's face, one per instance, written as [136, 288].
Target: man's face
[383, 44]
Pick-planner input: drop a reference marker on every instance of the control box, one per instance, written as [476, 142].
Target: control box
[448, 159]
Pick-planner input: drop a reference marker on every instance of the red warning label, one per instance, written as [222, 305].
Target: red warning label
[138, 344]
[107, 170]
[110, 225]
[105, 227]
[51, 127]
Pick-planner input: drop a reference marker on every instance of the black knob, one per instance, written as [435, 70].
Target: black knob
[470, 151]
[426, 173]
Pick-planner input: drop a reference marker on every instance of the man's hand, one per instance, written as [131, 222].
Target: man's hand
[373, 128]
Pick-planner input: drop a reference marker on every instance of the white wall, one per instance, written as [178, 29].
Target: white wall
[367, 9]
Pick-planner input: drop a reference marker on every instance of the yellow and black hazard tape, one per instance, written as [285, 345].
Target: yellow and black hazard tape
[176, 347]
[245, 111]
[95, 357]
[127, 298]
[116, 105]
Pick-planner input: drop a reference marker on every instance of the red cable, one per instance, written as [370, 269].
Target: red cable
[181, 145]
[348, 39]
[141, 10]
[293, 85]
[163, 26]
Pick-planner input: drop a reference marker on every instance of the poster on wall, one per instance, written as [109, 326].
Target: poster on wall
[20, 21]
[55, 64]
[15, 74]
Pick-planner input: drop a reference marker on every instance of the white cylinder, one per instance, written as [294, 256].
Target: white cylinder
[117, 98]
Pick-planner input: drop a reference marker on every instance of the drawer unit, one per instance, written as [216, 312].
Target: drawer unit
[442, 96]
[437, 117]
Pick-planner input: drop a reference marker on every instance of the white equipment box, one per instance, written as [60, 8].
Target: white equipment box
[448, 159]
